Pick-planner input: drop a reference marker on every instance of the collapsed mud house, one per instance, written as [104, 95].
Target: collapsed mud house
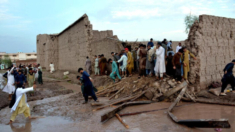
[212, 40]
[69, 48]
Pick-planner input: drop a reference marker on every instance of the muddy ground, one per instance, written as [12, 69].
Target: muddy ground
[58, 104]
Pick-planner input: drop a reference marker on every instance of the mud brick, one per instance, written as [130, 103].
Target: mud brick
[210, 60]
[219, 60]
[231, 42]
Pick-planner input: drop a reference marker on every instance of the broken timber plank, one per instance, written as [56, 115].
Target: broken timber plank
[202, 123]
[173, 90]
[141, 87]
[117, 102]
[188, 95]
[139, 96]
[140, 112]
[207, 101]
[120, 119]
[116, 93]
[96, 104]
[177, 99]
[108, 87]
[105, 117]
[114, 90]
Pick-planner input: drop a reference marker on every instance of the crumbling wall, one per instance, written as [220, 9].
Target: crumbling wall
[47, 50]
[212, 40]
[41, 49]
[68, 49]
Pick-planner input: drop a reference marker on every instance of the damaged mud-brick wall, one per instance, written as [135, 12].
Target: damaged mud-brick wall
[68, 49]
[212, 40]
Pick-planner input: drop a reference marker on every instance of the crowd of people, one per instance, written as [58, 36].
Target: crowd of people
[18, 77]
[152, 60]
[22, 76]
[148, 60]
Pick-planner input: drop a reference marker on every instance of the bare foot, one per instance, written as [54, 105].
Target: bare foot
[32, 117]
[10, 122]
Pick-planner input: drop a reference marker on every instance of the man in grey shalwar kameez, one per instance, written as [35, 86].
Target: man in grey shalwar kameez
[88, 65]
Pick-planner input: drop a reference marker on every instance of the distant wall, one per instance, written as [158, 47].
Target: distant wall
[212, 40]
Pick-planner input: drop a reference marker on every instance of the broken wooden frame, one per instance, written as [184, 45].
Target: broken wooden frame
[202, 123]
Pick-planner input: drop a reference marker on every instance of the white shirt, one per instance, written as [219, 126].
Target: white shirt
[19, 94]
[123, 59]
[178, 48]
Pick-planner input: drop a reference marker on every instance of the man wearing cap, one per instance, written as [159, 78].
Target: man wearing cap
[228, 78]
[160, 66]
[130, 62]
[150, 43]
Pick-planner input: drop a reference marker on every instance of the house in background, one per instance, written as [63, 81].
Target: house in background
[20, 57]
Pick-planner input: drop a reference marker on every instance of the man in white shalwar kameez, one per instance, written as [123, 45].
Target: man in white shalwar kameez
[20, 105]
[123, 59]
[10, 87]
[52, 69]
[160, 66]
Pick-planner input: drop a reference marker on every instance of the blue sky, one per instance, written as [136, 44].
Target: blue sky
[22, 20]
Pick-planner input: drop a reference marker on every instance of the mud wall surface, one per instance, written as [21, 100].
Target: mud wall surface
[72, 47]
[68, 49]
[47, 50]
[41, 49]
[106, 46]
[212, 40]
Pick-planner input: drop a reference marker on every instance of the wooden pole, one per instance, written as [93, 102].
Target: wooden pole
[116, 93]
[120, 119]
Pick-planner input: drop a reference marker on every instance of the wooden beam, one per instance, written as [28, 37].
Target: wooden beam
[177, 99]
[120, 119]
[117, 102]
[105, 117]
[116, 93]
[173, 90]
[108, 87]
[202, 123]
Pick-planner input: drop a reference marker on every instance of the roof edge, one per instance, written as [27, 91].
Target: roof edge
[78, 20]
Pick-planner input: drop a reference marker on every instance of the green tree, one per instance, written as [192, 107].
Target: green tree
[189, 21]
[6, 61]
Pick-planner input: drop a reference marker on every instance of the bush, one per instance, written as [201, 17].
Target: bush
[189, 21]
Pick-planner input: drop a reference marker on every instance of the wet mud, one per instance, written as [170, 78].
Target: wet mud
[47, 90]
[59, 108]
